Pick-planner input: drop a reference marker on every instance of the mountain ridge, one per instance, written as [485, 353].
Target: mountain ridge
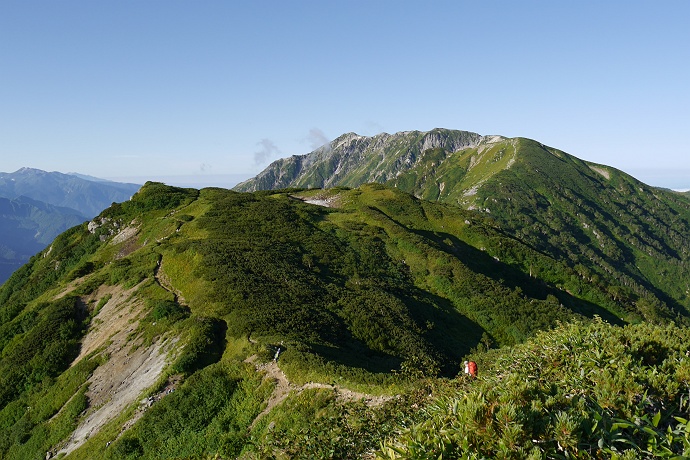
[329, 165]
[27, 226]
[187, 297]
[547, 198]
[202, 323]
[65, 190]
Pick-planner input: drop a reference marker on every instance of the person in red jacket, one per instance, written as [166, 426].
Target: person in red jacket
[471, 369]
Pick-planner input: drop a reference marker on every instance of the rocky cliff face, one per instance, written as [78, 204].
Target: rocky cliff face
[351, 159]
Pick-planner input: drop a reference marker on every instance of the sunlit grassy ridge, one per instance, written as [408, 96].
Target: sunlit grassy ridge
[380, 292]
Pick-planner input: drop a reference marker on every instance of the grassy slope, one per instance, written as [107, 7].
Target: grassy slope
[634, 236]
[580, 391]
[381, 279]
[384, 281]
[628, 239]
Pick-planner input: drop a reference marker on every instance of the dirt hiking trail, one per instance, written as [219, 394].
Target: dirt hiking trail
[283, 388]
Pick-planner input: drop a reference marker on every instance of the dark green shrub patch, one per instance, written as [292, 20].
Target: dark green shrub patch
[205, 343]
[45, 349]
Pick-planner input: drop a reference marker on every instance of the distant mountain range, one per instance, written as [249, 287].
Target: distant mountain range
[36, 206]
[86, 194]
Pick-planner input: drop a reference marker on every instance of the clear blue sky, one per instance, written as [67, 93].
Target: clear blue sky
[171, 89]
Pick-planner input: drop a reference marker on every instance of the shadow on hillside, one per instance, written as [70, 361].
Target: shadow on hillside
[356, 355]
[206, 346]
[481, 262]
[451, 334]
[446, 334]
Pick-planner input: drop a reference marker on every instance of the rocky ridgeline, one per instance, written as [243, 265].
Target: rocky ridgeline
[358, 159]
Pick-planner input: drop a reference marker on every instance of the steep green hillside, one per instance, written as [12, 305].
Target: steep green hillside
[580, 391]
[278, 324]
[380, 276]
[623, 235]
[615, 232]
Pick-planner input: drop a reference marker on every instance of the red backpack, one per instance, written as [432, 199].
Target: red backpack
[472, 368]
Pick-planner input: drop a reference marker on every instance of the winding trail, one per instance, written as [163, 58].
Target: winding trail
[283, 388]
[271, 370]
[164, 282]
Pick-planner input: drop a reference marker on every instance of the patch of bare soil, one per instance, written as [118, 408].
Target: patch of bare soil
[170, 386]
[602, 171]
[116, 318]
[125, 234]
[131, 368]
[328, 201]
[343, 394]
[283, 389]
[117, 384]
[70, 287]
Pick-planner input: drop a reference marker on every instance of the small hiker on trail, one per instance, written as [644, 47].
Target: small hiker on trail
[471, 369]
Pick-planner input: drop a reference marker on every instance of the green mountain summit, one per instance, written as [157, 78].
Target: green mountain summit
[326, 313]
[602, 222]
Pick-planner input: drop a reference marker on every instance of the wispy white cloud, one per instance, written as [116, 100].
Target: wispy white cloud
[267, 151]
[318, 139]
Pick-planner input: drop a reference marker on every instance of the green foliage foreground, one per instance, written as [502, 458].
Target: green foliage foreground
[579, 391]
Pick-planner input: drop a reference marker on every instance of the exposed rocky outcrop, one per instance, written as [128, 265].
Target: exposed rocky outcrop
[352, 159]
